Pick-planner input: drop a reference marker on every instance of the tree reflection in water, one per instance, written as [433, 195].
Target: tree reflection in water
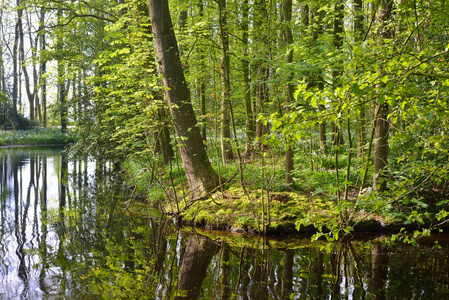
[64, 234]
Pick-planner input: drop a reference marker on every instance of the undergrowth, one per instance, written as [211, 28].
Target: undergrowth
[36, 136]
[319, 202]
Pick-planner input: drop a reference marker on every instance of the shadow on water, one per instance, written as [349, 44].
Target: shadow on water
[65, 235]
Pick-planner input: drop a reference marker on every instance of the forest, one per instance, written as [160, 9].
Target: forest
[256, 115]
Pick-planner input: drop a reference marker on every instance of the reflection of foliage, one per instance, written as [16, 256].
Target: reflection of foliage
[124, 270]
[117, 261]
[108, 254]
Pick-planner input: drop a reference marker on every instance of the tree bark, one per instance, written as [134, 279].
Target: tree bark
[380, 156]
[201, 177]
[361, 116]
[286, 17]
[226, 146]
[249, 114]
[337, 71]
[316, 77]
[202, 81]
[261, 40]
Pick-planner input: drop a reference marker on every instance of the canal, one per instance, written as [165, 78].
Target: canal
[66, 235]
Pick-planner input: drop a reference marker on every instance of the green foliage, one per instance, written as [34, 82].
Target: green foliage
[120, 110]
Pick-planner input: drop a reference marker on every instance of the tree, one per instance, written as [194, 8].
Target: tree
[226, 147]
[249, 113]
[201, 177]
[380, 157]
[286, 17]
[261, 66]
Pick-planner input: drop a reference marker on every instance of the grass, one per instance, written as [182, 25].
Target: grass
[36, 136]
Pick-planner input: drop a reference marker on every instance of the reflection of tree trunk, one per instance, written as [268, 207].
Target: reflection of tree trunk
[159, 244]
[225, 273]
[287, 279]
[259, 288]
[244, 278]
[335, 270]
[319, 274]
[43, 241]
[197, 257]
[379, 265]
[63, 180]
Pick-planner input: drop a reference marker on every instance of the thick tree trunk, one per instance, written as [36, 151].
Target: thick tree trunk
[226, 146]
[199, 172]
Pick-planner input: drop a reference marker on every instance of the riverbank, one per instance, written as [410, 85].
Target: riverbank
[281, 213]
[326, 198]
[255, 210]
[36, 136]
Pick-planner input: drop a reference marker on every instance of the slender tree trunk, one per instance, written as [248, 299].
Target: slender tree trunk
[30, 95]
[202, 82]
[15, 62]
[286, 17]
[337, 71]
[316, 77]
[226, 146]
[164, 137]
[261, 69]
[2, 65]
[199, 172]
[62, 89]
[361, 116]
[380, 156]
[249, 114]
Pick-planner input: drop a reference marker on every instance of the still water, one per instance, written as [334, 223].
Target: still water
[65, 235]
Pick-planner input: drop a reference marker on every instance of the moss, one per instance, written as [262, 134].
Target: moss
[234, 210]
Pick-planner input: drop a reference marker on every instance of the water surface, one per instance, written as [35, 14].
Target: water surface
[65, 235]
